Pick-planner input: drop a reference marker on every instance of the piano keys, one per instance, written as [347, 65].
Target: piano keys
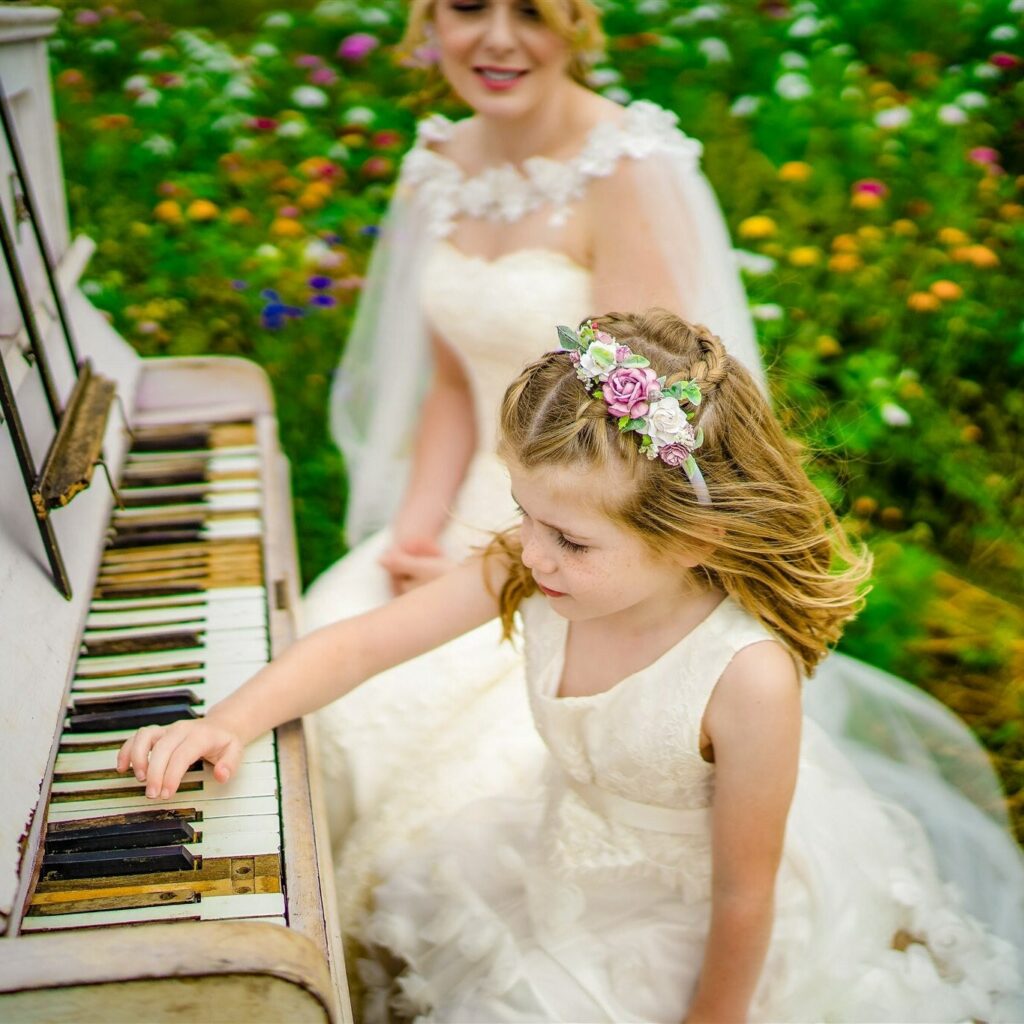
[216, 904]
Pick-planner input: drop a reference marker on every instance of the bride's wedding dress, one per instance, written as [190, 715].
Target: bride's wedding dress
[421, 740]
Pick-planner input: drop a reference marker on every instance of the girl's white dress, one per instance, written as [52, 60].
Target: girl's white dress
[585, 896]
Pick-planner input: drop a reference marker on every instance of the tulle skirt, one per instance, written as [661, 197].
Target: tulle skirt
[479, 922]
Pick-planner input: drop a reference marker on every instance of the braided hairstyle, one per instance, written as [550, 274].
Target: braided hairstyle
[768, 538]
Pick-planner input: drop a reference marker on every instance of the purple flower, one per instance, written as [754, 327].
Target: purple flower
[319, 282]
[628, 389]
[371, 231]
[674, 455]
[357, 46]
[323, 300]
[270, 295]
[240, 285]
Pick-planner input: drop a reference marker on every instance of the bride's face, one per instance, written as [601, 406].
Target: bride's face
[500, 56]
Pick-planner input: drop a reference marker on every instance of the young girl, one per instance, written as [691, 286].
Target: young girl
[686, 854]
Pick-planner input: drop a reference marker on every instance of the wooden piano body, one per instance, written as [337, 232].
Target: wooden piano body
[284, 963]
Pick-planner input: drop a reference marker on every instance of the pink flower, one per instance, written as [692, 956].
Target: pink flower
[983, 155]
[87, 18]
[622, 353]
[308, 60]
[627, 391]
[323, 76]
[674, 455]
[1004, 60]
[871, 185]
[357, 46]
[263, 124]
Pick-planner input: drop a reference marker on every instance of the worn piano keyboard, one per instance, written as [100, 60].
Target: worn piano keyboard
[178, 620]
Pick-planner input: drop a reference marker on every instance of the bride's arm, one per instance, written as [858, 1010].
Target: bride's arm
[445, 442]
[314, 671]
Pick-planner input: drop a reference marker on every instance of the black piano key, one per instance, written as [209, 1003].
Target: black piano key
[124, 817]
[155, 501]
[160, 832]
[115, 702]
[193, 440]
[142, 477]
[184, 640]
[141, 540]
[104, 863]
[132, 718]
[128, 591]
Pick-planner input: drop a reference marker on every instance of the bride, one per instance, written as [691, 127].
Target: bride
[549, 203]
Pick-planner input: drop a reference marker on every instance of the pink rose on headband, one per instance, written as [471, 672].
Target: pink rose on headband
[674, 455]
[628, 390]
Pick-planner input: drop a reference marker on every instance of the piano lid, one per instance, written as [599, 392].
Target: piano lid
[37, 626]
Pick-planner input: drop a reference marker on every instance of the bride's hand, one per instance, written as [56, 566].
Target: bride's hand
[411, 563]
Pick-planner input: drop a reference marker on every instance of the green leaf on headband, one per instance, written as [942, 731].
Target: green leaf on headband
[699, 439]
[597, 393]
[646, 442]
[634, 359]
[622, 421]
[673, 390]
[568, 339]
[633, 425]
[691, 392]
[690, 465]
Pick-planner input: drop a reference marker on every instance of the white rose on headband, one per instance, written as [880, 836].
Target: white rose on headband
[666, 423]
[598, 361]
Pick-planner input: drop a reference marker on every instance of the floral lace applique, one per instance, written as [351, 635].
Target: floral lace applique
[506, 194]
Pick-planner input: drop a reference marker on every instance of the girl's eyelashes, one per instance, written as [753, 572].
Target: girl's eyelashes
[564, 542]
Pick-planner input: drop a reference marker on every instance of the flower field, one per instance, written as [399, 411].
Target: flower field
[233, 160]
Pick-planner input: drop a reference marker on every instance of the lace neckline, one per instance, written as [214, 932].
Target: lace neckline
[557, 668]
[505, 193]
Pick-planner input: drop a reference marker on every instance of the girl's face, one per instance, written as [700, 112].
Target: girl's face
[499, 55]
[584, 563]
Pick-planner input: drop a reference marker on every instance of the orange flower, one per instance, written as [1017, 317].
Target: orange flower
[757, 227]
[70, 78]
[239, 215]
[948, 291]
[904, 227]
[923, 302]
[828, 347]
[1011, 211]
[168, 211]
[953, 236]
[980, 256]
[865, 506]
[870, 233]
[795, 170]
[845, 262]
[202, 210]
[286, 227]
[845, 243]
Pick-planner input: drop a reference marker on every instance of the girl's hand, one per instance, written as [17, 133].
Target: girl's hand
[161, 755]
[412, 563]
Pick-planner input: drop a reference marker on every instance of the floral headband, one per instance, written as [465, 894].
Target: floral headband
[638, 398]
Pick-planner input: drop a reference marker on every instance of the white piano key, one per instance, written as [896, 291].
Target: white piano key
[240, 501]
[242, 454]
[214, 654]
[251, 780]
[259, 750]
[227, 677]
[236, 844]
[223, 614]
[78, 761]
[212, 908]
[241, 808]
[233, 529]
[226, 629]
[171, 490]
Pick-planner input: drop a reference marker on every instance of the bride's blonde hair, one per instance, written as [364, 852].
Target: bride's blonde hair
[771, 540]
[578, 22]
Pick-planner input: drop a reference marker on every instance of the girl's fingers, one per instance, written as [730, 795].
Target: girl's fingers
[227, 763]
[139, 748]
[158, 758]
[186, 753]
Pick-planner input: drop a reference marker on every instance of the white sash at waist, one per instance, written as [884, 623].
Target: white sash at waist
[672, 820]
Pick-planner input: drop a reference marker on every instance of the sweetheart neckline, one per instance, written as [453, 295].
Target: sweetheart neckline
[502, 257]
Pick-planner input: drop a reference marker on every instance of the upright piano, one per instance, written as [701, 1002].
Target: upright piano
[147, 568]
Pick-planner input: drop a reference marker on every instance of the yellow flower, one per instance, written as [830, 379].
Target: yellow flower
[845, 243]
[904, 227]
[140, 230]
[865, 506]
[168, 210]
[202, 210]
[845, 262]
[953, 236]
[923, 302]
[866, 200]
[980, 256]
[805, 256]
[756, 227]
[239, 215]
[314, 166]
[870, 233]
[286, 227]
[971, 433]
[948, 291]
[1011, 211]
[795, 170]
[828, 346]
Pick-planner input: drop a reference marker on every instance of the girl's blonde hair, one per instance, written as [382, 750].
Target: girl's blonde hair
[578, 22]
[771, 541]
